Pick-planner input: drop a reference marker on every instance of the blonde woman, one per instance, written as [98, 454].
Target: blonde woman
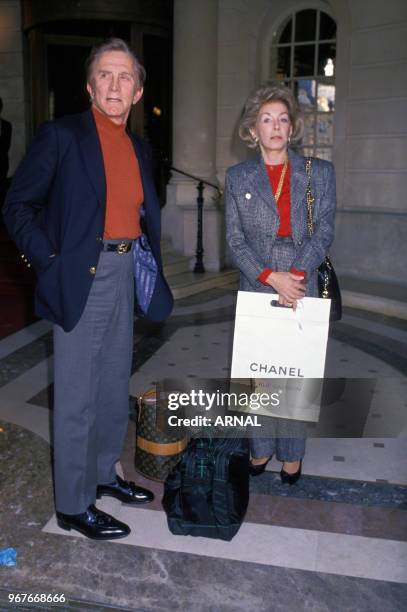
[267, 233]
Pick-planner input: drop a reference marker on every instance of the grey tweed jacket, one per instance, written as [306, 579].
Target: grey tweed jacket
[252, 218]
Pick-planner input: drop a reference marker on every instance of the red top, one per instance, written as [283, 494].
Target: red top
[283, 207]
[283, 204]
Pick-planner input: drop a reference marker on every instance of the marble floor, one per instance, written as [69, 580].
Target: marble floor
[335, 541]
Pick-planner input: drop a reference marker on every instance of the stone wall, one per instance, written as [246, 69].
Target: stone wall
[372, 218]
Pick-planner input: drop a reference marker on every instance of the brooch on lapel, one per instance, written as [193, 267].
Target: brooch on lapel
[248, 195]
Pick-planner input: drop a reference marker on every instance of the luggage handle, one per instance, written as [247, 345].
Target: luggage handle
[141, 403]
[191, 460]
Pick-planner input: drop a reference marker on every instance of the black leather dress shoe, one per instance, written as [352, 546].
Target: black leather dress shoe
[126, 491]
[94, 524]
[290, 479]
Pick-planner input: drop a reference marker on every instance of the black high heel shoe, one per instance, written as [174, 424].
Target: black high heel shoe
[290, 478]
[256, 470]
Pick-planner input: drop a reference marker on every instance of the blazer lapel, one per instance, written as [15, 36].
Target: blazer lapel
[93, 157]
[144, 173]
[298, 186]
[150, 205]
[260, 183]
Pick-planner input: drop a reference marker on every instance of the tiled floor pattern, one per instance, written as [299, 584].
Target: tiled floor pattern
[324, 526]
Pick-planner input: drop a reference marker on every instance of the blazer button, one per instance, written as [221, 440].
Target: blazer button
[299, 242]
[92, 270]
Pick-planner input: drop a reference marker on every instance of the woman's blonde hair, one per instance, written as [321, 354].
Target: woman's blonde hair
[271, 91]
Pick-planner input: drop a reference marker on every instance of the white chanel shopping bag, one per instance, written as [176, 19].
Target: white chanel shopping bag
[274, 342]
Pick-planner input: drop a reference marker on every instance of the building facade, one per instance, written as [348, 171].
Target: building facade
[346, 59]
[225, 48]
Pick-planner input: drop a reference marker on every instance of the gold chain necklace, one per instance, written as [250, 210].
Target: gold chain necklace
[281, 181]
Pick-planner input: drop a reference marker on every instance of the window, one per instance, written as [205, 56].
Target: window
[303, 55]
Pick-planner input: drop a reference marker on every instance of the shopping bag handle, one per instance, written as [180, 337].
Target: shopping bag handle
[278, 305]
[274, 302]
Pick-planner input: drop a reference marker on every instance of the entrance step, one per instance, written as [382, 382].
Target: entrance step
[174, 263]
[183, 282]
[187, 283]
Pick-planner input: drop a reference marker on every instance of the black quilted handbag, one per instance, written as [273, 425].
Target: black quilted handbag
[207, 493]
[328, 286]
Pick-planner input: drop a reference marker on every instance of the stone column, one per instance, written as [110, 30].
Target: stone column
[194, 129]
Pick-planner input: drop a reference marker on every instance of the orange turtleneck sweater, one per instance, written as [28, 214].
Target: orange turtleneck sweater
[124, 189]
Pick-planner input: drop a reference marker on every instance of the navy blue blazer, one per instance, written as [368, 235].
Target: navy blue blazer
[56, 204]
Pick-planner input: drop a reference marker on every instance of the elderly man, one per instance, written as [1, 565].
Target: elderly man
[83, 211]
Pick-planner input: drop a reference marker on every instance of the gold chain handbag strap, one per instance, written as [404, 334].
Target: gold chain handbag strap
[310, 198]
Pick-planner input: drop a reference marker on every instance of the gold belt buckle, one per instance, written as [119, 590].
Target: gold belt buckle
[122, 247]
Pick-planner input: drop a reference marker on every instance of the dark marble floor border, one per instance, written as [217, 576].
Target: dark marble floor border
[386, 349]
[370, 494]
[349, 519]
[330, 492]
[386, 523]
[25, 358]
[376, 317]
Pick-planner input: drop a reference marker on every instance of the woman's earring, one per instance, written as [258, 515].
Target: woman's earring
[289, 139]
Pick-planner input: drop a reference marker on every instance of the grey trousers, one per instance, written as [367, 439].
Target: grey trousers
[91, 380]
[285, 439]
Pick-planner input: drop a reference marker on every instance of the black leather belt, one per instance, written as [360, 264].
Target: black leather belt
[118, 247]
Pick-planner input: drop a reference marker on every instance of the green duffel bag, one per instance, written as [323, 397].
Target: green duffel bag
[207, 492]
